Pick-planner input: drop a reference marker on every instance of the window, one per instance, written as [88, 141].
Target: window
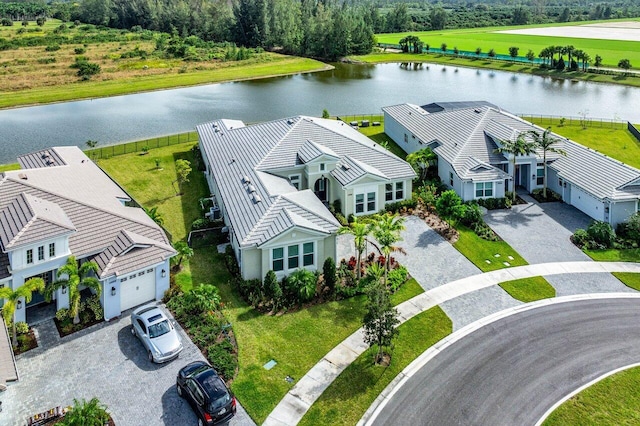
[322, 167]
[277, 263]
[123, 279]
[132, 276]
[295, 181]
[451, 179]
[406, 138]
[388, 192]
[371, 201]
[149, 271]
[307, 254]
[41, 253]
[484, 189]
[52, 249]
[399, 190]
[140, 273]
[540, 174]
[30, 256]
[359, 203]
[292, 257]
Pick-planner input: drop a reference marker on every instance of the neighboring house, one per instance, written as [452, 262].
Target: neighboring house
[272, 183]
[465, 135]
[60, 204]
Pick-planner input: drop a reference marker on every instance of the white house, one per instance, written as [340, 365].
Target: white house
[61, 204]
[271, 183]
[465, 136]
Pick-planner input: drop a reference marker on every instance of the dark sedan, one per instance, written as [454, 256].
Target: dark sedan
[211, 400]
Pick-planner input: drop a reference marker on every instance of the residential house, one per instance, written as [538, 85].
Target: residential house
[61, 204]
[272, 182]
[466, 135]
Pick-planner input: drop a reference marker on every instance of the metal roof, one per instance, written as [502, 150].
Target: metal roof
[43, 158]
[255, 151]
[450, 106]
[476, 132]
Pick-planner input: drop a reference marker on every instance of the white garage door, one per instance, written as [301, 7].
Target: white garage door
[137, 290]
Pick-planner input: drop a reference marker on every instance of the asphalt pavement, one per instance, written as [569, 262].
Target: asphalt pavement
[510, 372]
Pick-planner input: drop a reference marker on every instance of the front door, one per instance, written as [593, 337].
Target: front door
[321, 189]
[37, 297]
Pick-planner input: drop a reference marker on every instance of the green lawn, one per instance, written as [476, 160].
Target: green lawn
[482, 253]
[7, 167]
[614, 255]
[630, 279]
[529, 289]
[488, 38]
[348, 397]
[614, 401]
[613, 140]
[376, 133]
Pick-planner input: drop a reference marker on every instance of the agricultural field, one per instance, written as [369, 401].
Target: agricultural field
[39, 64]
[501, 38]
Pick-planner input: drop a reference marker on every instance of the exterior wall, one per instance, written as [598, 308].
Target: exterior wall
[18, 257]
[162, 284]
[444, 169]
[253, 263]
[620, 212]
[587, 203]
[110, 303]
[397, 132]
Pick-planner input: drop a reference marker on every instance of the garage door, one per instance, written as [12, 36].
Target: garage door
[137, 289]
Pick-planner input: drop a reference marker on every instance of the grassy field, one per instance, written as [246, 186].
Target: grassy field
[33, 75]
[348, 397]
[486, 255]
[529, 289]
[611, 51]
[615, 141]
[614, 401]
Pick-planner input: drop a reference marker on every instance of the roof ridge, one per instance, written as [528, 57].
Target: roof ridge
[263, 217]
[277, 144]
[54, 222]
[303, 207]
[473, 132]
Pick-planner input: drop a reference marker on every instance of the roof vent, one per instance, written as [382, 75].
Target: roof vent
[251, 189]
[217, 130]
[256, 198]
[290, 121]
[215, 125]
[346, 167]
[245, 179]
[22, 176]
[477, 111]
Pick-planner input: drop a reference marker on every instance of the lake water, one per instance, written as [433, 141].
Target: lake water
[348, 89]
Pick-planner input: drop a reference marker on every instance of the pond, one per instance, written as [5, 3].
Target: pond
[348, 89]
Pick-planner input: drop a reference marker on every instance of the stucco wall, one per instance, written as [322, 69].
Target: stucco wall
[620, 212]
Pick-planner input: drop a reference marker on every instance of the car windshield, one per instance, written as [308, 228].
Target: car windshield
[219, 402]
[159, 329]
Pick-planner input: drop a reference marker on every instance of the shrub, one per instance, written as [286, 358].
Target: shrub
[22, 327]
[231, 262]
[329, 273]
[396, 277]
[91, 413]
[471, 215]
[630, 230]
[79, 50]
[93, 304]
[220, 355]
[601, 234]
[25, 23]
[40, 21]
[6, 22]
[302, 284]
[86, 69]
[580, 238]
[52, 48]
[62, 314]
[47, 60]
[400, 205]
[200, 224]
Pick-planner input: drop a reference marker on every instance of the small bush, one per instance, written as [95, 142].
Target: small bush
[79, 50]
[25, 23]
[47, 60]
[22, 327]
[471, 215]
[601, 234]
[330, 275]
[40, 21]
[397, 277]
[6, 22]
[93, 304]
[62, 314]
[220, 355]
[200, 224]
[231, 262]
[52, 48]
[580, 238]
[630, 230]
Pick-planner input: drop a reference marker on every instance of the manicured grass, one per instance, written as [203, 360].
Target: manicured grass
[151, 187]
[488, 38]
[614, 401]
[497, 65]
[376, 133]
[348, 397]
[629, 279]
[7, 167]
[529, 289]
[138, 146]
[479, 251]
[614, 255]
[409, 290]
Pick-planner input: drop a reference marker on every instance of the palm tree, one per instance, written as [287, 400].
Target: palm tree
[11, 300]
[76, 277]
[360, 231]
[520, 146]
[184, 251]
[155, 215]
[545, 142]
[421, 160]
[386, 230]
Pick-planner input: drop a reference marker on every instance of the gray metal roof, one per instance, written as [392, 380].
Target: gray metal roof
[253, 151]
[28, 219]
[475, 133]
[43, 158]
[450, 106]
[131, 252]
[97, 227]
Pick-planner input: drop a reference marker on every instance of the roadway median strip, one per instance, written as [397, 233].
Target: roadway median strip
[299, 399]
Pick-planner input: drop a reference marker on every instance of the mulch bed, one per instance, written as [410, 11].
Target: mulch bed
[29, 342]
[67, 327]
[552, 197]
[440, 226]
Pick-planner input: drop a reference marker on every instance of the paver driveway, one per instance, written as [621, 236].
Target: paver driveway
[540, 233]
[107, 362]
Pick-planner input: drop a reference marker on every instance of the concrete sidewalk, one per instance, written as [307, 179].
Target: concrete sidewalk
[299, 399]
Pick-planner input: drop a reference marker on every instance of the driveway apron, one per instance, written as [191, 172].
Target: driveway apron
[104, 361]
[540, 233]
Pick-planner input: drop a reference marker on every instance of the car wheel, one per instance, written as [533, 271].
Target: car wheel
[150, 356]
[133, 331]
[179, 389]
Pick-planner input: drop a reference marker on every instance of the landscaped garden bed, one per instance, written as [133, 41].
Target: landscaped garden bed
[26, 339]
[90, 313]
[538, 195]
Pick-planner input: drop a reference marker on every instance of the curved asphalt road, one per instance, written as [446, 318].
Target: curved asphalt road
[512, 371]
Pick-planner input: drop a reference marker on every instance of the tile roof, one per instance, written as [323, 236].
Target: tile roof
[28, 219]
[253, 151]
[97, 226]
[131, 252]
[474, 133]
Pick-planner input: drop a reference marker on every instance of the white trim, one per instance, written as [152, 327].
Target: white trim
[285, 257]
